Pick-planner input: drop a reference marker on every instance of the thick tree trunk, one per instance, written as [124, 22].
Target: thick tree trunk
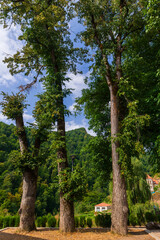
[27, 208]
[119, 199]
[66, 215]
[66, 206]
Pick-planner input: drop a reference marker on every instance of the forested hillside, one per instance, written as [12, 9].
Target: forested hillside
[47, 192]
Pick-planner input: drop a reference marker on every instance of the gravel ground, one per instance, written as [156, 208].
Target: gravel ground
[81, 234]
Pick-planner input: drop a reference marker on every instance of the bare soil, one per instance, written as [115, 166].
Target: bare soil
[80, 234]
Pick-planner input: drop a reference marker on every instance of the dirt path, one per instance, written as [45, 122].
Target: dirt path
[81, 234]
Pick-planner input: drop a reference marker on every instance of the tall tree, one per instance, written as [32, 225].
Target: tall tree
[12, 107]
[108, 25]
[48, 48]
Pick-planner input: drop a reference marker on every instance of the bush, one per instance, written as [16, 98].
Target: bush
[51, 221]
[44, 221]
[11, 221]
[1, 222]
[76, 220]
[82, 221]
[150, 217]
[5, 222]
[89, 222]
[39, 222]
[16, 221]
[58, 222]
[132, 219]
[103, 220]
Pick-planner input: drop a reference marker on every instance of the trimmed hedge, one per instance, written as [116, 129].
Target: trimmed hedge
[82, 221]
[76, 221]
[51, 221]
[89, 222]
[103, 220]
[9, 221]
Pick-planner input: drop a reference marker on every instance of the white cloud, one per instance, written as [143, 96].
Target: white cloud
[9, 44]
[71, 125]
[71, 108]
[76, 83]
[2, 118]
[28, 117]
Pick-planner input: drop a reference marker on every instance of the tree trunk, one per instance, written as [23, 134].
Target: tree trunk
[66, 206]
[66, 215]
[119, 199]
[27, 208]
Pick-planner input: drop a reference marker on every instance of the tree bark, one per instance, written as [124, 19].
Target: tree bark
[27, 208]
[66, 206]
[119, 197]
[67, 223]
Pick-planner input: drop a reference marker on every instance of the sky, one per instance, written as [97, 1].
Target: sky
[9, 44]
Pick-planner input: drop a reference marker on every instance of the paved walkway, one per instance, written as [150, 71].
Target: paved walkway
[154, 233]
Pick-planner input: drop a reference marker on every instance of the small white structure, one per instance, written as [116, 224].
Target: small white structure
[102, 207]
[151, 182]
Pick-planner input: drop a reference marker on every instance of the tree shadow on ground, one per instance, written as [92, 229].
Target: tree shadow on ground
[92, 230]
[9, 236]
[137, 233]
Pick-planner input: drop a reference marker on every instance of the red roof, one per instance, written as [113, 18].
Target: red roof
[154, 180]
[103, 205]
[149, 177]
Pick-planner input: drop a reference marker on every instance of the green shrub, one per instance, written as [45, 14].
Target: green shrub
[82, 221]
[76, 220]
[11, 221]
[51, 221]
[44, 221]
[1, 222]
[39, 222]
[89, 222]
[5, 222]
[16, 221]
[132, 219]
[150, 217]
[103, 220]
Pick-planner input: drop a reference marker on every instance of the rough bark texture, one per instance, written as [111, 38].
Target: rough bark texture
[66, 206]
[27, 208]
[119, 199]
[66, 215]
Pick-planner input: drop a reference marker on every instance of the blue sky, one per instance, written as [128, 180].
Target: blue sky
[9, 44]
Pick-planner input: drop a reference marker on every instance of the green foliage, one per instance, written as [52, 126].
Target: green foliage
[1, 222]
[39, 221]
[82, 221]
[89, 222]
[137, 188]
[150, 216]
[141, 214]
[73, 184]
[129, 137]
[51, 221]
[17, 220]
[6, 222]
[103, 220]
[76, 220]
[13, 105]
[11, 221]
